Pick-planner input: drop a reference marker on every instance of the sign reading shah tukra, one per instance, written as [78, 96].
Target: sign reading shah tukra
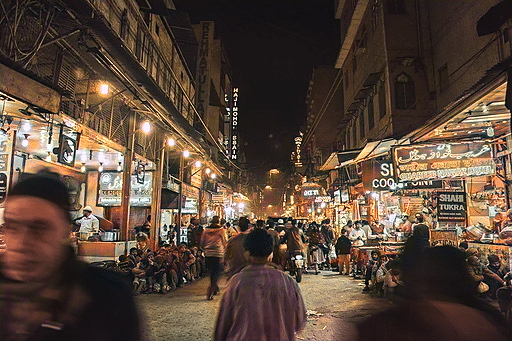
[447, 160]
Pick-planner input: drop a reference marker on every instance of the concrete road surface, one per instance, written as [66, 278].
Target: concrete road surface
[334, 303]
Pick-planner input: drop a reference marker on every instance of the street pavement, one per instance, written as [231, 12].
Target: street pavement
[334, 303]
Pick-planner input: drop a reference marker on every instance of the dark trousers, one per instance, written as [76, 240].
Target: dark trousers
[214, 267]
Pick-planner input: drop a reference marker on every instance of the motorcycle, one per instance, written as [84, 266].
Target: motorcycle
[296, 264]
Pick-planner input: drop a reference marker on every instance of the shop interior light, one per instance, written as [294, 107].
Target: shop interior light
[186, 153]
[198, 164]
[104, 89]
[171, 142]
[208, 170]
[119, 168]
[24, 142]
[100, 169]
[26, 126]
[241, 205]
[146, 127]
[82, 169]
[213, 175]
[49, 157]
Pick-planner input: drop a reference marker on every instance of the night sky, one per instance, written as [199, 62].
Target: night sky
[272, 47]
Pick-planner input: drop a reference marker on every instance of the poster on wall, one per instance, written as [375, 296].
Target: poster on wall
[451, 206]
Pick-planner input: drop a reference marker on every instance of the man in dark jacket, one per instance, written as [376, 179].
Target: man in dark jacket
[47, 294]
[343, 247]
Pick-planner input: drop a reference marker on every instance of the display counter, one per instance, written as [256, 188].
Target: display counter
[100, 251]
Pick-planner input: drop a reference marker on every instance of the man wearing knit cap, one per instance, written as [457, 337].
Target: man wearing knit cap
[88, 223]
[46, 293]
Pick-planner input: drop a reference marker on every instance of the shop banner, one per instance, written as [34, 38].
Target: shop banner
[451, 206]
[446, 160]
[443, 238]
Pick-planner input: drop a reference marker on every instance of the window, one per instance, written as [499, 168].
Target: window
[382, 102]
[443, 78]
[395, 6]
[371, 119]
[361, 125]
[405, 96]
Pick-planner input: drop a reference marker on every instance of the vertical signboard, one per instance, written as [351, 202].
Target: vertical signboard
[227, 122]
[6, 142]
[451, 206]
[203, 67]
[234, 125]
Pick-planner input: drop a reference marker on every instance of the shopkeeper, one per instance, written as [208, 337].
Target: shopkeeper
[88, 223]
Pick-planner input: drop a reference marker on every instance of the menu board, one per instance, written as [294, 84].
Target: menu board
[451, 206]
[110, 189]
[445, 160]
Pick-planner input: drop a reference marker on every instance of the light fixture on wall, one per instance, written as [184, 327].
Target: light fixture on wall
[24, 142]
[171, 142]
[186, 153]
[146, 127]
[83, 169]
[49, 157]
[119, 167]
[104, 88]
[100, 168]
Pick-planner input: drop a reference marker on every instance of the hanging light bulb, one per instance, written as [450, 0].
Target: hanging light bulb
[186, 153]
[171, 142]
[24, 142]
[104, 89]
[213, 175]
[208, 170]
[119, 168]
[82, 169]
[198, 164]
[26, 126]
[49, 157]
[100, 169]
[146, 127]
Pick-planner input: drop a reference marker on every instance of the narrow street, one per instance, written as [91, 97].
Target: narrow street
[334, 304]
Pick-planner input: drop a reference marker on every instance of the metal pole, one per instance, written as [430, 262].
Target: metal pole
[180, 196]
[127, 170]
[156, 197]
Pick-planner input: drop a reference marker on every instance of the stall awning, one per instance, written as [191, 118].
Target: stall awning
[375, 149]
[339, 158]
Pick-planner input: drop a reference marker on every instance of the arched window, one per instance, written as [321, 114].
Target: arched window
[405, 96]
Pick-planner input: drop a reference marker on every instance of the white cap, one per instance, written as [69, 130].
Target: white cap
[87, 208]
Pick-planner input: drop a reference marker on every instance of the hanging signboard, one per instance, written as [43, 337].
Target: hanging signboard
[443, 238]
[110, 189]
[451, 206]
[447, 160]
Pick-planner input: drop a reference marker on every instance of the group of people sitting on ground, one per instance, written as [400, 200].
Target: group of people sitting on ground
[166, 269]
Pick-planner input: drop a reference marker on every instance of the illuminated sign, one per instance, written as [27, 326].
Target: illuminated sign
[323, 198]
[379, 176]
[234, 125]
[296, 155]
[110, 188]
[203, 67]
[448, 160]
[311, 192]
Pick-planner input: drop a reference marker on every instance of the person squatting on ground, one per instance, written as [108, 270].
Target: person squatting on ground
[261, 303]
[213, 242]
[46, 293]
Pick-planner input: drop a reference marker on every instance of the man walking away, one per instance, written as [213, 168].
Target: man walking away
[213, 242]
[234, 256]
[343, 247]
[261, 303]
